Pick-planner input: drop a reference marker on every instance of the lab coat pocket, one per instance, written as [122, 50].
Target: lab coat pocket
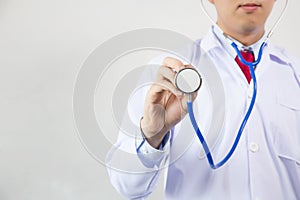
[288, 152]
[286, 128]
[287, 143]
[289, 97]
[290, 103]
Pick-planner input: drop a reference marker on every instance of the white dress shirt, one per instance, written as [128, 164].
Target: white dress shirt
[266, 163]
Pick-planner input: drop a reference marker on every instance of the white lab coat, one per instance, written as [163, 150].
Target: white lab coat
[266, 163]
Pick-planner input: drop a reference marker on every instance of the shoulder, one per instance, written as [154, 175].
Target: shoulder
[284, 56]
[283, 53]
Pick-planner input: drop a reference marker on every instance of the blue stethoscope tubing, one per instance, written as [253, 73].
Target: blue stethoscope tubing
[209, 157]
[251, 65]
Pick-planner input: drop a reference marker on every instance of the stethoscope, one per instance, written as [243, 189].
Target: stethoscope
[188, 81]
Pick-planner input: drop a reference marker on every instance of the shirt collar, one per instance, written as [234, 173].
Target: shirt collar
[227, 43]
[215, 39]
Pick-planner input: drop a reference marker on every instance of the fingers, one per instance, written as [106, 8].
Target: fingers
[166, 79]
[173, 64]
[164, 102]
[166, 85]
[167, 72]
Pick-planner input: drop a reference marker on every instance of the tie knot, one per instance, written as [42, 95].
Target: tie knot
[248, 55]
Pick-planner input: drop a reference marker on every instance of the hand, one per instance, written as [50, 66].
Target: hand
[165, 105]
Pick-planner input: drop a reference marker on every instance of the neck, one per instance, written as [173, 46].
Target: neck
[245, 37]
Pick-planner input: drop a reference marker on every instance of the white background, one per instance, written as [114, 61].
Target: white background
[42, 47]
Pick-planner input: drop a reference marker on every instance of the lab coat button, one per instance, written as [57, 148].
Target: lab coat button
[254, 147]
[250, 92]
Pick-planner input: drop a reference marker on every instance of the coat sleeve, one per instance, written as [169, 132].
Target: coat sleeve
[134, 167]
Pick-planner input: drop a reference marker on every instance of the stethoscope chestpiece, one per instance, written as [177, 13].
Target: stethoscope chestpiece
[188, 80]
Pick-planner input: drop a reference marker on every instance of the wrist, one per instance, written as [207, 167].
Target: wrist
[153, 138]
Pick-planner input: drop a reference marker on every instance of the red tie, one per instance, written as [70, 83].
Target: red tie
[249, 57]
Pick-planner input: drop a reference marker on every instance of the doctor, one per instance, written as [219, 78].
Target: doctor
[266, 163]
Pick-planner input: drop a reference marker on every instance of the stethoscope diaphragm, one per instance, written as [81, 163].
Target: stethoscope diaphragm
[188, 80]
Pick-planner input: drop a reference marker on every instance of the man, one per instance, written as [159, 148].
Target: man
[266, 164]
